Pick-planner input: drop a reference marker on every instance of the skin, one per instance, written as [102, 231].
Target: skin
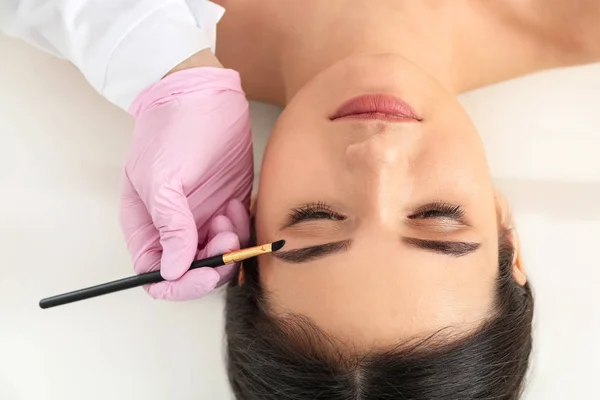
[376, 174]
[312, 56]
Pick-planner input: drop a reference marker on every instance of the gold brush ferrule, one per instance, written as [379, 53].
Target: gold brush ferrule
[244, 254]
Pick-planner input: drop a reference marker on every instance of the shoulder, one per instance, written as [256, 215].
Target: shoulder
[511, 38]
[203, 58]
[568, 31]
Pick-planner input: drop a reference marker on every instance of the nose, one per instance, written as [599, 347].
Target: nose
[376, 152]
[379, 170]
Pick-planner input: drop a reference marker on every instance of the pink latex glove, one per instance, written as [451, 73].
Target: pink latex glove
[188, 179]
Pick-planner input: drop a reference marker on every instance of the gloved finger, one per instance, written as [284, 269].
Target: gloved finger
[223, 242]
[140, 233]
[194, 284]
[172, 216]
[198, 282]
[239, 217]
[219, 224]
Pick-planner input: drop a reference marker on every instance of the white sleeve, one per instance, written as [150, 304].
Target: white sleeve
[120, 46]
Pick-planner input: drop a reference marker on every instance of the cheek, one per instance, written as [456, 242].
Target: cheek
[451, 146]
[302, 151]
[457, 173]
[291, 160]
[296, 170]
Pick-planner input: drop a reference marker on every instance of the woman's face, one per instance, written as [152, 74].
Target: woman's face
[390, 223]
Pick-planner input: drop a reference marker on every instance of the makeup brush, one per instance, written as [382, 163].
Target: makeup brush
[155, 277]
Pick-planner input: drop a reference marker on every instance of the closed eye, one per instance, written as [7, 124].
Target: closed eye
[322, 211]
[311, 212]
[439, 210]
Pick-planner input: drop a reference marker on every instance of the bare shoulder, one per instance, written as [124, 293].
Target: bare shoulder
[203, 58]
[506, 39]
[567, 30]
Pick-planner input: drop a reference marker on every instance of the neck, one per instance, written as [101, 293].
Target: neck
[278, 46]
[426, 37]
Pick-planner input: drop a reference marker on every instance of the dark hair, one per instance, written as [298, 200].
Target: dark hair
[290, 358]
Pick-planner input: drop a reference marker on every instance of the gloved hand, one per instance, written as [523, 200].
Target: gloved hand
[188, 179]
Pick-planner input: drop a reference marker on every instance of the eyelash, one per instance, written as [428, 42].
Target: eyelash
[314, 211]
[439, 210]
[321, 210]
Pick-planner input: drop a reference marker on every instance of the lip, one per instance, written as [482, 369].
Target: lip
[377, 107]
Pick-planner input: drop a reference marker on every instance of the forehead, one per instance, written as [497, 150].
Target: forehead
[383, 295]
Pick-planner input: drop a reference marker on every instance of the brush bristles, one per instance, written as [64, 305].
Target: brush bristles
[277, 245]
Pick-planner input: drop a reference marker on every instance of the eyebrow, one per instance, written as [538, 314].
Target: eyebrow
[311, 253]
[454, 249]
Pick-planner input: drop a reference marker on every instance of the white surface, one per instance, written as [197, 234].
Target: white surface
[61, 152]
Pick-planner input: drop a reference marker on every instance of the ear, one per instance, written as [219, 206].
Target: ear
[241, 276]
[505, 221]
[518, 268]
[253, 202]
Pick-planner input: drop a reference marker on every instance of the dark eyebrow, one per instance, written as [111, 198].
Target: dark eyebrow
[455, 249]
[306, 254]
[311, 253]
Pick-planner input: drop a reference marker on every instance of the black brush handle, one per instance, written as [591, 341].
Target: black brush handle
[121, 284]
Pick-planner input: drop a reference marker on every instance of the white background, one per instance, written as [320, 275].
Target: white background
[61, 152]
